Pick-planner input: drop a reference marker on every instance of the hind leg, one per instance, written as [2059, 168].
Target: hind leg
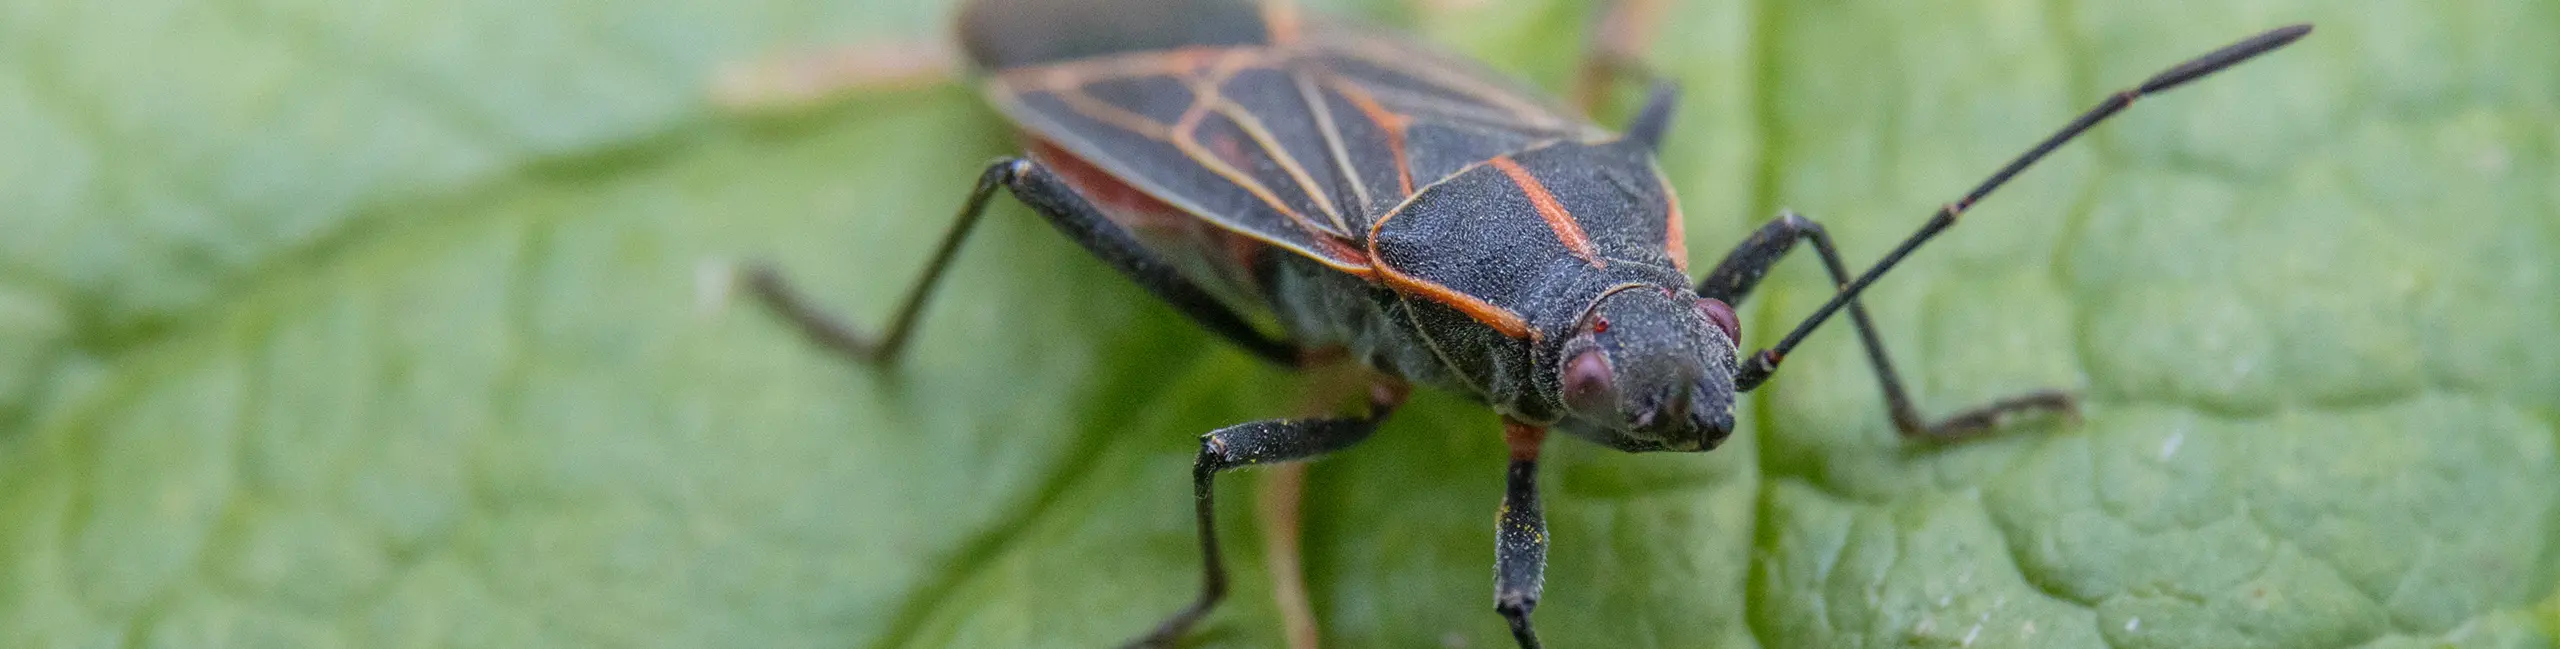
[1049, 196]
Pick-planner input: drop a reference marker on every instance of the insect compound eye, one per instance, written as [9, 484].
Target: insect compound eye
[1587, 385]
[1717, 312]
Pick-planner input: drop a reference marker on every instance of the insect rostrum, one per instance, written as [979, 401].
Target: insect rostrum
[1393, 206]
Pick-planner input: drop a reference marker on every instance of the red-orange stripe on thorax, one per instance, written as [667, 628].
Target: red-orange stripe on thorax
[1500, 319]
[1559, 220]
[1675, 237]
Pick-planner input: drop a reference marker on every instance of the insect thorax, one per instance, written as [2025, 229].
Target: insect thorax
[1417, 339]
[1430, 343]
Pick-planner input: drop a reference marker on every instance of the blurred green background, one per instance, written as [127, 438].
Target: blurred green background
[382, 324]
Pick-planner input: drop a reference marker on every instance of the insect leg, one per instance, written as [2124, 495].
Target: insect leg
[1050, 195]
[1520, 535]
[1742, 270]
[1281, 503]
[1613, 48]
[1281, 500]
[1051, 198]
[1249, 444]
[1757, 368]
[769, 287]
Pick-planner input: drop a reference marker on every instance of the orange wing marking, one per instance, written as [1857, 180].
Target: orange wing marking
[1559, 220]
[1270, 145]
[1528, 112]
[1455, 113]
[1332, 140]
[1206, 96]
[1112, 192]
[1067, 82]
[1386, 120]
[1112, 114]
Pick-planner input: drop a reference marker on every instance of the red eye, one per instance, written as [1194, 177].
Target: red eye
[1586, 383]
[1716, 312]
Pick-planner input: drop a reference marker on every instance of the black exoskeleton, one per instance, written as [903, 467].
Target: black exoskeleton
[1437, 222]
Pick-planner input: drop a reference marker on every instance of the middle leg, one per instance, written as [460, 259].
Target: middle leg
[1520, 534]
[1332, 380]
[1743, 269]
[1250, 444]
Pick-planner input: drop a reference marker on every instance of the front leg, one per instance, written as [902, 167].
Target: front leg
[1250, 444]
[1743, 269]
[1520, 534]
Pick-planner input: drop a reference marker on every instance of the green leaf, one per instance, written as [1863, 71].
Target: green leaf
[393, 325]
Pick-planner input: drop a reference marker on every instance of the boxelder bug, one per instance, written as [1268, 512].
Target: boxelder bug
[1415, 212]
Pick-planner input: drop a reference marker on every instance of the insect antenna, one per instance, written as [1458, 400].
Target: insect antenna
[1757, 369]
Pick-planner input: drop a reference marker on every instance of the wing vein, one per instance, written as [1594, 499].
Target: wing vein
[1261, 134]
[1108, 113]
[1388, 121]
[1332, 140]
[1529, 112]
[1206, 97]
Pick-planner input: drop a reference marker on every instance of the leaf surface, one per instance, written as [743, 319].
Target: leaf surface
[390, 325]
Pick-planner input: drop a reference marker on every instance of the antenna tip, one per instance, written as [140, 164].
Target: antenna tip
[2226, 57]
[2289, 33]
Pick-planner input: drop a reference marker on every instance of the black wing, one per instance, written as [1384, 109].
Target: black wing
[1294, 132]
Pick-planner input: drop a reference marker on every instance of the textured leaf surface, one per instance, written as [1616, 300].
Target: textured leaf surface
[383, 324]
